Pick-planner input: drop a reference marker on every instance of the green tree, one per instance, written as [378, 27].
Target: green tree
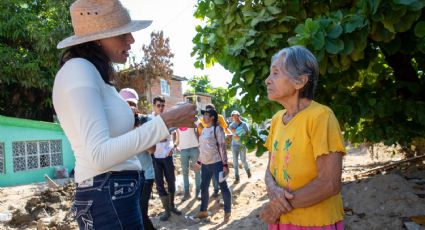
[200, 84]
[371, 55]
[29, 32]
[221, 99]
[155, 64]
[220, 96]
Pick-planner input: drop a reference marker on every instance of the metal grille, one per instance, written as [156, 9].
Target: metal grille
[36, 154]
[2, 164]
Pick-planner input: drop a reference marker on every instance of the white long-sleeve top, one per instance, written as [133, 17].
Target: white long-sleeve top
[99, 123]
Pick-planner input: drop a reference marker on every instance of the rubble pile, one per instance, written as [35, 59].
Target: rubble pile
[46, 211]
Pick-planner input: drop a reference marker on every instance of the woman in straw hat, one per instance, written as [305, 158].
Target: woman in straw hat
[99, 123]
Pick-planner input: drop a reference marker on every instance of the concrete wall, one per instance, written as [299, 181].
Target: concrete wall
[15, 129]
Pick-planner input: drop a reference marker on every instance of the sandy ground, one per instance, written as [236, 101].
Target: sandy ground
[391, 200]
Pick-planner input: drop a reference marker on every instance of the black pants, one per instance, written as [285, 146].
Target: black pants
[164, 167]
[145, 195]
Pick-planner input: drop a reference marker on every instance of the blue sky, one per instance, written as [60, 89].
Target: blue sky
[176, 19]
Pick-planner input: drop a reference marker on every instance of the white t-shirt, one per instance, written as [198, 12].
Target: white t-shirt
[99, 123]
[164, 148]
[187, 138]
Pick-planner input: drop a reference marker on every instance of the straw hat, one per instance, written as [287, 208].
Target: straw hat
[96, 19]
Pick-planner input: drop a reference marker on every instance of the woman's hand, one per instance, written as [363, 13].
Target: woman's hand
[180, 116]
[277, 206]
[225, 170]
[279, 199]
[196, 167]
[269, 215]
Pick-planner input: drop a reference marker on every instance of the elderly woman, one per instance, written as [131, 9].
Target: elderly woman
[306, 147]
[99, 123]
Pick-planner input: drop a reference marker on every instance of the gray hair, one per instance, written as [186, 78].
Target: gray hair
[299, 62]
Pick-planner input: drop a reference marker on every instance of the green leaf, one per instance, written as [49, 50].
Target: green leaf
[420, 29]
[286, 19]
[311, 26]
[249, 13]
[249, 77]
[274, 10]
[348, 46]
[300, 29]
[354, 22]
[229, 19]
[334, 46]
[335, 32]
[269, 2]
[218, 2]
[413, 5]
[318, 40]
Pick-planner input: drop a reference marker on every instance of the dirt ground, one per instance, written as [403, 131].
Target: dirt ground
[393, 199]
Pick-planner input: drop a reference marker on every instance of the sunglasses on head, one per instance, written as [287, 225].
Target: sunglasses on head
[160, 105]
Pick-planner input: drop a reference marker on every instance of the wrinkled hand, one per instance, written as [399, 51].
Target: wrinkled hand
[279, 199]
[275, 191]
[277, 206]
[269, 215]
[196, 167]
[180, 116]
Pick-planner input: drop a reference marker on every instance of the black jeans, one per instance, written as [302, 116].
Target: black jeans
[164, 167]
[144, 198]
[110, 202]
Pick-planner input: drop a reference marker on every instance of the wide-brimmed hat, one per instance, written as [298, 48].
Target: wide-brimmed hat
[96, 19]
[129, 94]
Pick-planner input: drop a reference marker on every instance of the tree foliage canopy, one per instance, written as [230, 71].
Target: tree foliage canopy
[29, 32]
[220, 96]
[200, 84]
[371, 55]
[155, 64]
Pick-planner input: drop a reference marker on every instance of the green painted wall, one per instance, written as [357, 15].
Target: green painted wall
[15, 129]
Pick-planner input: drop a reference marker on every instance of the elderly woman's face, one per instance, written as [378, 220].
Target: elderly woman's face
[117, 48]
[279, 85]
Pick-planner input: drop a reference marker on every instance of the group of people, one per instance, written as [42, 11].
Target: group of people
[202, 148]
[113, 163]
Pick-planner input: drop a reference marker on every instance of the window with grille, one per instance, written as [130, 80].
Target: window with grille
[36, 154]
[2, 156]
[165, 87]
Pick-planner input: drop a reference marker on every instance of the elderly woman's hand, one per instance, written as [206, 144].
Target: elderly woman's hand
[269, 215]
[277, 206]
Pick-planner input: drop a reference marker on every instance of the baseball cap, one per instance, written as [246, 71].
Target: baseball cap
[130, 95]
[235, 112]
